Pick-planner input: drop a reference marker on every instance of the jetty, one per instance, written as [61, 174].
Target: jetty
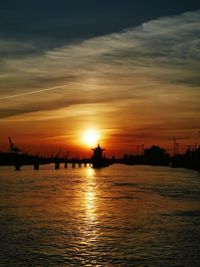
[154, 156]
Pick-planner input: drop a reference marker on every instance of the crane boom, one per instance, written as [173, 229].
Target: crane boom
[175, 143]
[13, 148]
[11, 144]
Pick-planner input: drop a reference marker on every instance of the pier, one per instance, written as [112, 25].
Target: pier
[155, 156]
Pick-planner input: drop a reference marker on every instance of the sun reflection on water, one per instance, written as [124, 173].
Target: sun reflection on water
[89, 229]
[90, 196]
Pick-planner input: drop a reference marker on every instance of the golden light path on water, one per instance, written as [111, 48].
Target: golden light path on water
[90, 196]
[90, 231]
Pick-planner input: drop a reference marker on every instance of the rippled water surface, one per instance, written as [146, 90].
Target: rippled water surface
[116, 216]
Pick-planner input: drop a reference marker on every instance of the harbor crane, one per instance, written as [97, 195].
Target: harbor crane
[140, 149]
[13, 147]
[176, 145]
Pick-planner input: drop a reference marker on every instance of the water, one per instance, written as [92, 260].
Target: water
[117, 216]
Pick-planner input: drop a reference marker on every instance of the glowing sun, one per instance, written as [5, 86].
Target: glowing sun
[90, 137]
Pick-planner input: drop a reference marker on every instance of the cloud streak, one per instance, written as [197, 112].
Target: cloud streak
[172, 41]
[32, 92]
[153, 67]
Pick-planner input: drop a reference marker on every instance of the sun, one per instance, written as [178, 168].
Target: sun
[90, 137]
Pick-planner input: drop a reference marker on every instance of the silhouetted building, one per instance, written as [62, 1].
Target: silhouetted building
[156, 156]
[98, 159]
[191, 159]
[98, 153]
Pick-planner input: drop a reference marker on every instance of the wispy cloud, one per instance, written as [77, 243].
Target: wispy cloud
[157, 59]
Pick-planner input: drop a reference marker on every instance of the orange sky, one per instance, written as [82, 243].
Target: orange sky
[139, 86]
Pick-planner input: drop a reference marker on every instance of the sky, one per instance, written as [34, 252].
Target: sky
[128, 69]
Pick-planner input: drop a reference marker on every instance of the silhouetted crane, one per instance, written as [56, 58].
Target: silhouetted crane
[140, 149]
[176, 144]
[13, 148]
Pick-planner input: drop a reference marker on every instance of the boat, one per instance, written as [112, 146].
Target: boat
[98, 159]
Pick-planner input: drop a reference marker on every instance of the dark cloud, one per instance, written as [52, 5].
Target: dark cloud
[65, 21]
[191, 81]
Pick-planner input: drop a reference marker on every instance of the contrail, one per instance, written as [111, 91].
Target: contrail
[34, 92]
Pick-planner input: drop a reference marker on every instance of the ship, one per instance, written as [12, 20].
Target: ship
[98, 158]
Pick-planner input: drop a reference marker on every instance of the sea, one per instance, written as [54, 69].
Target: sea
[144, 216]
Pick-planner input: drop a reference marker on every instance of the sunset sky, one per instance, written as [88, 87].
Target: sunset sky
[128, 69]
